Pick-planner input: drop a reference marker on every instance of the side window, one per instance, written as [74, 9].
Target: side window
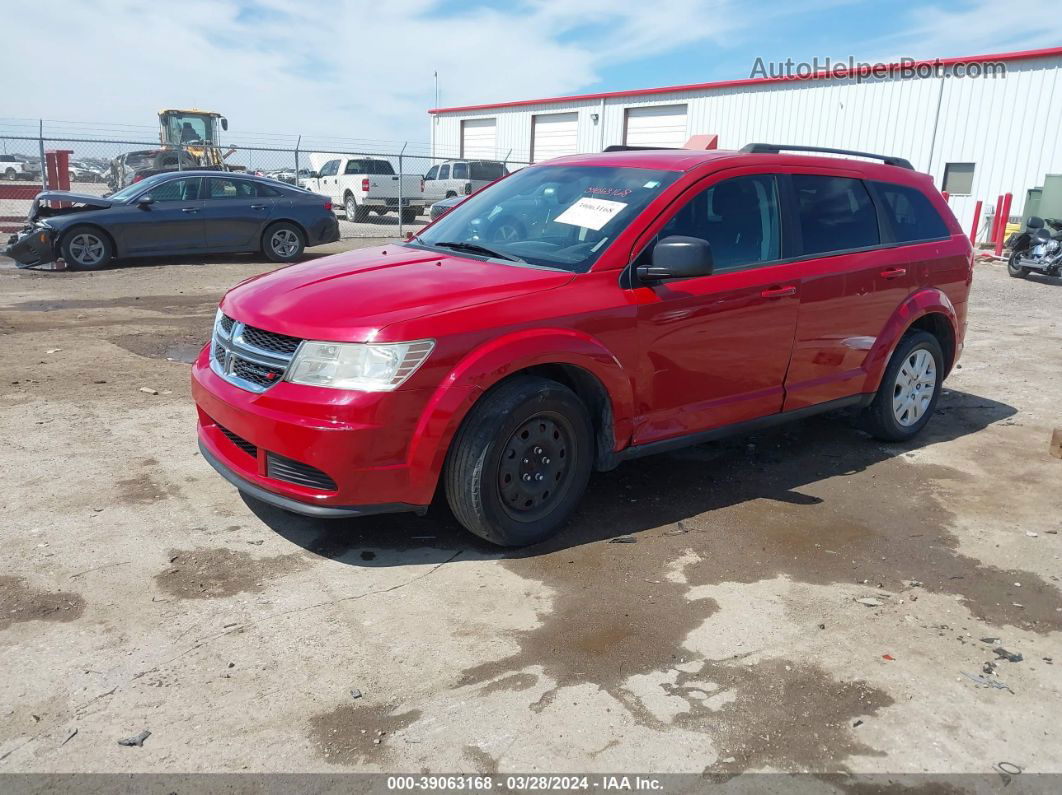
[222, 188]
[431, 173]
[444, 171]
[329, 169]
[178, 190]
[267, 191]
[836, 213]
[356, 167]
[460, 170]
[486, 171]
[912, 215]
[740, 219]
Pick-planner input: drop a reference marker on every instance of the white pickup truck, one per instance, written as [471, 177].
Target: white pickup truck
[361, 185]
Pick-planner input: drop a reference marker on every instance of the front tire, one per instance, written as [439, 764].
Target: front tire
[86, 248]
[520, 462]
[409, 214]
[10, 173]
[909, 391]
[1014, 269]
[283, 242]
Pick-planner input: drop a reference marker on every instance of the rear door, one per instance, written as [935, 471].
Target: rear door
[716, 347]
[234, 214]
[853, 280]
[172, 223]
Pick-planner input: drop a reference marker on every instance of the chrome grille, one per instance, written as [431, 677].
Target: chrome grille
[251, 358]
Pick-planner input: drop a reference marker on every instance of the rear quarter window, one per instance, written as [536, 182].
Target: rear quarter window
[912, 216]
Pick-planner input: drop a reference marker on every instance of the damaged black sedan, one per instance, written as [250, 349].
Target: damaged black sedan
[175, 213]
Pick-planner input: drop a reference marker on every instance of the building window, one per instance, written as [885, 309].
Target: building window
[958, 179]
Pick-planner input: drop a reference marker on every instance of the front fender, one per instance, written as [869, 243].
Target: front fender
[926, 301]
[493, 361]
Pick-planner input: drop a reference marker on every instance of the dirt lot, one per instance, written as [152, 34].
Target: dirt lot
[139, 591]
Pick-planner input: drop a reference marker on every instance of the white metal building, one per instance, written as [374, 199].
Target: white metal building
[979, 136]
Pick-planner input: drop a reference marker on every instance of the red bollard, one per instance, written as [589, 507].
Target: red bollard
[976, 223]
[1003, 216]
[995, 218]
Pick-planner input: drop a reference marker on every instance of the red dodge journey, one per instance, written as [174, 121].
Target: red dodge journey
[581, 312]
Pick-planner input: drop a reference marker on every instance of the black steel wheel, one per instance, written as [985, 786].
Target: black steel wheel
[520, 462]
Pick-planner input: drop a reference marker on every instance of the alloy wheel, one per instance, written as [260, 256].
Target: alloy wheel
[284, 242]
[87, 249]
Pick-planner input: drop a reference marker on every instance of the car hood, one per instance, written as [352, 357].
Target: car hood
[351, 297]
[75, 203]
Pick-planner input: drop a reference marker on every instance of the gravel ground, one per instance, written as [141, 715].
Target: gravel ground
[139, 591]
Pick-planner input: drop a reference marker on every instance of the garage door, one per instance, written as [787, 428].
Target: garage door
[478, 138]
[553, 135]
[659, 125]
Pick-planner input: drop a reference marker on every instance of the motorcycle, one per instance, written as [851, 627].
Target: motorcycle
[1036, 249]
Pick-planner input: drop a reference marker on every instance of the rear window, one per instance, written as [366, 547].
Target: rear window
[487, 171]
[912, 215]
[836, 214]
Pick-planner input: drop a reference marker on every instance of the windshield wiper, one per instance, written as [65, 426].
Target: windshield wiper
[475, 248]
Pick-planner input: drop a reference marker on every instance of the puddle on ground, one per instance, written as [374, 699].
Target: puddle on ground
[20, 602]
[216, 573]
[356, 733]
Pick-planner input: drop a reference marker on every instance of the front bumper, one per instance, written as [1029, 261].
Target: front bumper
[360, 440]
[34, 245]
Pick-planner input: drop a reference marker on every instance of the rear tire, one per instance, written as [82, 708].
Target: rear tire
[10, 173]
[355, 212]
[283, 242]
[520, 463]
[1014, 269]
[909, 390]
[86, 248]
[409, 214]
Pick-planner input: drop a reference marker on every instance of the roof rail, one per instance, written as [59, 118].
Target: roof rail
[625, 148]
[774, 149]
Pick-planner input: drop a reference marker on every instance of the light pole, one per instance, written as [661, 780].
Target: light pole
[434, 117]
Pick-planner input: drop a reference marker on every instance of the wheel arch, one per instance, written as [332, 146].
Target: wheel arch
[929, 310]
[569, 357]
[274, 221]
[60, 238]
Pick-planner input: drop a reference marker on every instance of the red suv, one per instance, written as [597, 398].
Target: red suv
[579, 313]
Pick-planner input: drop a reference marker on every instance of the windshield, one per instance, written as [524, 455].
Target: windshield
[188, 128]
[554, 216]
[129, 191]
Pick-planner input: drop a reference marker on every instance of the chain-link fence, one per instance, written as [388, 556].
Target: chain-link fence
[384, 190]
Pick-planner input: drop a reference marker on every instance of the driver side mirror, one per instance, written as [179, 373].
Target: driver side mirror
[145, 202]
[678, 257]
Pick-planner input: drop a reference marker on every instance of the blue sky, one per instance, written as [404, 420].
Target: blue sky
[362, 69]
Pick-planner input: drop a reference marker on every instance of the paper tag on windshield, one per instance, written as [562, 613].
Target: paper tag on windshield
[591, 213]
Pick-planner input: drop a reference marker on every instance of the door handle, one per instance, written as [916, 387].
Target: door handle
[893, 273]
[189, 209]
[779, 292]
[257, 206]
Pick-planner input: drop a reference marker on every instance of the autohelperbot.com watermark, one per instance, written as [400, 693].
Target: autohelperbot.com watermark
[851, 69]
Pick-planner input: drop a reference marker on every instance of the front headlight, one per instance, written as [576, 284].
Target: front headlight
[367, 367]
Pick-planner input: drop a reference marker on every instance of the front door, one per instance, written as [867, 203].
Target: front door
[716, 348]
[173, 222]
